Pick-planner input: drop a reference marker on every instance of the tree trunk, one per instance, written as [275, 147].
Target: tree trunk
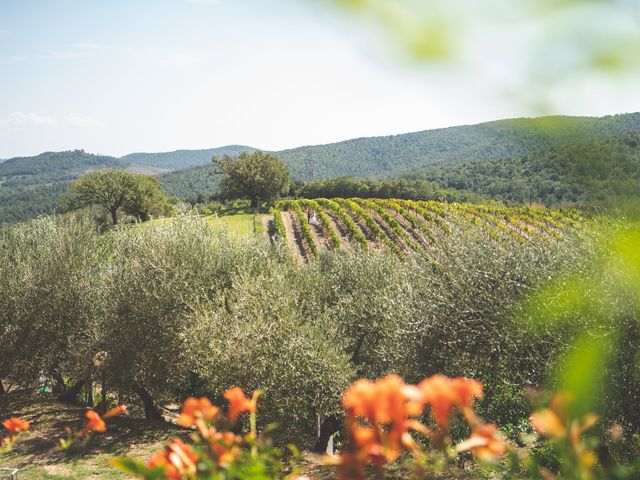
[329, 426]
[254, 202]
[72, 393]
[89, 390]
[104, 393]
[151, 411]
[59, 386]
[2, 390]
[114, 216]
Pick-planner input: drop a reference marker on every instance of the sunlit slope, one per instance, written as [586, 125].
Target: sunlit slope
[407, 227]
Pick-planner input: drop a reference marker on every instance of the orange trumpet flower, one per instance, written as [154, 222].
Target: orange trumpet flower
[15, 425]
[238, 403]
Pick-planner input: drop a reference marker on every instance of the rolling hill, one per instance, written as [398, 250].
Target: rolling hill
[549, 160]
[499, 140]
[470, 158]
[184, 158]
[603, 171]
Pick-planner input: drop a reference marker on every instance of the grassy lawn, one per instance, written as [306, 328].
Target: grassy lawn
[36, 454]
[237, 221]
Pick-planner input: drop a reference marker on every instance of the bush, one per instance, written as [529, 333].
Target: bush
[52, 299]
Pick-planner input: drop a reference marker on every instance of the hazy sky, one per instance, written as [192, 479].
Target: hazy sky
[122, 76]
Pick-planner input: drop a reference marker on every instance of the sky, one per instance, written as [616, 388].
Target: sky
[128, 76]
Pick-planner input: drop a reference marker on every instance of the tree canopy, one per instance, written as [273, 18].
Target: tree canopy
[116, 190]
[258, 176]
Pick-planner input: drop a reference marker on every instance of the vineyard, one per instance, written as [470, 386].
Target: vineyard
[406, 227]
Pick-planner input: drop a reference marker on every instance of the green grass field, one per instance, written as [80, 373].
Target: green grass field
[238, 221]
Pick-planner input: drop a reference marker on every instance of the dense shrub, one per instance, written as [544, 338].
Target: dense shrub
[51, 299]
[179, 310]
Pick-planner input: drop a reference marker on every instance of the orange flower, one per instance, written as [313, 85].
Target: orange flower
[485, 443]
[385, 401]
[238, 403]
[388, 403]
[555, 421]
[114, 412]
[196, 408]
[443, 393]
[14, 425]
[95, 422]
[177, 461]
[224, 445]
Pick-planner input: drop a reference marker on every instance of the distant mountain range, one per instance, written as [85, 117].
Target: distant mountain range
[184, 158]
[496, 158]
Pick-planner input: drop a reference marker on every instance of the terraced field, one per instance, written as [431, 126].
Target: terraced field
[407, 227]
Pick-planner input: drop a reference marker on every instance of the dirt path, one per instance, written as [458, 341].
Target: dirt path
[388, 231]
[340, 229]
[371, 241]
[417, 235]
[294, 238]
[320, 237]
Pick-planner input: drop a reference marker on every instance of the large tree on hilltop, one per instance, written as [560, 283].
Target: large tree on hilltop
[258, 176]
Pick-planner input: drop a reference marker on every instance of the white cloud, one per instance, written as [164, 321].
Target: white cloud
[32, 119]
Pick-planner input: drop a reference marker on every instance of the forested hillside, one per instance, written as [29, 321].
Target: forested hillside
[397, 154]
[49, 167]
[551, 160]
[411, 153]
[185, 158]
[584, 173]
[18, 205]
[190, 183]
[31, 186]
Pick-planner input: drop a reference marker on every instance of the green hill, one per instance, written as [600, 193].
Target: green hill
[418, 154]
[184, 158]
[599, 171]
[549, 160]
[499, 140]
[50, 167]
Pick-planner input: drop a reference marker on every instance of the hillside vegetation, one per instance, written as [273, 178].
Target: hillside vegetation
[551, 160]
[406, 227]
[592, 172]
[50, 167]
[185, 158]
[499, 140]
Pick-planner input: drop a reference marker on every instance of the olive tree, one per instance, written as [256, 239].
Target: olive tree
[160, 274]
[118, 190]
[51, 302]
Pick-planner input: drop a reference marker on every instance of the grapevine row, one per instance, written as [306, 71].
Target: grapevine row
[324, 221]
[306, 229]
[344, 217]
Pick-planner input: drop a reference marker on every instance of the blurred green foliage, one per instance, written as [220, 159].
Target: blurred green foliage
[554, 41]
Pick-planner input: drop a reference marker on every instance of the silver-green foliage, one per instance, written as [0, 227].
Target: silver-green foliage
[52, 297]
[183, 310]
